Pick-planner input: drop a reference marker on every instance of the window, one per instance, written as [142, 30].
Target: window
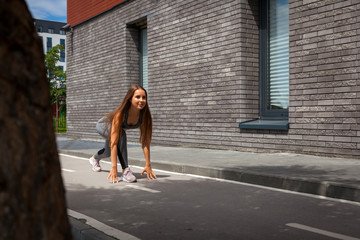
[274, 59]
[136, 48]
[62, 42]
[143, 58]
[62, 52]
[61, 68]
[48, 43]
[39, 28]
[62, 32]
[274, 67]
[50, 30]
[51, 75]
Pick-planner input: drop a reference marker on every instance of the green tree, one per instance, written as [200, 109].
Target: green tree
[57, 79]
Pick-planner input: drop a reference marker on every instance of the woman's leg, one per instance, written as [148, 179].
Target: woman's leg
[104, 152]
[127, 175]
[122, 151]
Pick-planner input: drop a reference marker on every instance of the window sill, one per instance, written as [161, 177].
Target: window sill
[265, 124]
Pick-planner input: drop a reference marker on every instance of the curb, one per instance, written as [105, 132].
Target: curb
[303, 185]
[86, 228]
[326, 189]
[82, 231]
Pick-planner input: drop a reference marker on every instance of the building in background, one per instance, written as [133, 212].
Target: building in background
[51, 34]
[248, 75]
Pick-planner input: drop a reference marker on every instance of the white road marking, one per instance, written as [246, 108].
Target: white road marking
[84, 159]
[102, 227]
[321, 232]
[81, 158]
[142, 188]
[236, 182]
[137, 187]
[257, 186]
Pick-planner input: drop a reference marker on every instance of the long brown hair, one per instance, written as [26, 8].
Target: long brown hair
[119, 114]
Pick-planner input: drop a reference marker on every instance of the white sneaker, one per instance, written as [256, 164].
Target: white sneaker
[95, 164]
[128, 176]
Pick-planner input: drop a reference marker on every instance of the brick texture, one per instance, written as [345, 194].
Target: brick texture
[81, 10]
[203, 74]
[324, 79]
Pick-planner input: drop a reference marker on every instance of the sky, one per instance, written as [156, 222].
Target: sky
[53, 10]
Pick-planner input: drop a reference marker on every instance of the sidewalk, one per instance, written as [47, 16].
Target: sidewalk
[331, 177]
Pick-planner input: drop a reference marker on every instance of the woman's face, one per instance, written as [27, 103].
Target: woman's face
[139, 99]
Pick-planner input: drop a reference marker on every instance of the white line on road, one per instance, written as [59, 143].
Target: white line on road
[142, 188]
[320, 231]
[66, 155]
[136, 187]
[236, 182]
[257, 186]
[84, 159]
[102, 227]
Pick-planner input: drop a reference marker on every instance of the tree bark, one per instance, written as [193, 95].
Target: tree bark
[32, 201]
[57, 115]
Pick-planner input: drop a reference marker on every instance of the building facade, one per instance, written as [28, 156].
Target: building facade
[51, 34]
[246, 75]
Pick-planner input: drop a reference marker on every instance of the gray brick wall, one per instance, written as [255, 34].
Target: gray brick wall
[324, 79]
[203, 74]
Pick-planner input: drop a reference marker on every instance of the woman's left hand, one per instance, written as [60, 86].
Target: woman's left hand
[149, 172]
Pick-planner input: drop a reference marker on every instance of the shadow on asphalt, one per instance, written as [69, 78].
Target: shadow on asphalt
[204, 209]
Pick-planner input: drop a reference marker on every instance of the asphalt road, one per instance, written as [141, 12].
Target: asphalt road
[178, 206]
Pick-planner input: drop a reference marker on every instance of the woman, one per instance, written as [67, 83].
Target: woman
[133, 112]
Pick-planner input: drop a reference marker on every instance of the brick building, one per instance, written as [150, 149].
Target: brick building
[247, 75]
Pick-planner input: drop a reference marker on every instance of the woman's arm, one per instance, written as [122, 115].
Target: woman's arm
[113, 171]
[113, 146]
[146, 150]
[149, 172]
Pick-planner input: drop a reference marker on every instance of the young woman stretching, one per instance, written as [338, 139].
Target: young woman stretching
[133, 112]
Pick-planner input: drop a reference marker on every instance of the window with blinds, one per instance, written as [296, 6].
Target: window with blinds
[143, 58]
[274, 67]
[278, 54]
[274, 59]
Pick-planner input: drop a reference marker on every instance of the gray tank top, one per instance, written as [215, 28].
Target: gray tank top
[100, 125]
[126, 126]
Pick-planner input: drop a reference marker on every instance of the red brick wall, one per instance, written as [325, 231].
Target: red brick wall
[81, 10]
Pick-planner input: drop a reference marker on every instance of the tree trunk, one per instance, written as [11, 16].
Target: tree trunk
[57, 115]
[32, 202]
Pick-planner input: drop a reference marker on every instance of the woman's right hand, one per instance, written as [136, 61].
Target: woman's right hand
[113, 175]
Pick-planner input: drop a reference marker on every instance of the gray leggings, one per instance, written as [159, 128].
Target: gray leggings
[106, 151]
